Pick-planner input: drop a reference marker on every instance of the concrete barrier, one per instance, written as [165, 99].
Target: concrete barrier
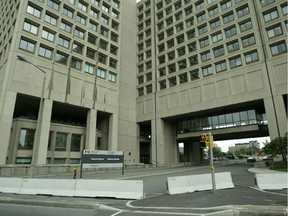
[121, 189]
[55, 187]
[192, 183]
[10, 185]
[271, 181]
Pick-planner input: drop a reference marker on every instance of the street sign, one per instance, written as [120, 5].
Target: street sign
[102, 159]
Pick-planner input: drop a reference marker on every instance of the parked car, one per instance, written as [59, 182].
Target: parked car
[251, 160]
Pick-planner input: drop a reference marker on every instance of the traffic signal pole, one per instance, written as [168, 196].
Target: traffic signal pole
[211, 163]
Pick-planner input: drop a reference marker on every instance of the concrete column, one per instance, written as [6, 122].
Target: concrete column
[91, 142]
[196, 153]
[6, 116]
[276, 117]
[113, 132]
[43, 133]
[153, 153]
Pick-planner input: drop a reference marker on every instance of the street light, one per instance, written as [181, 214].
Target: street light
[40, 113]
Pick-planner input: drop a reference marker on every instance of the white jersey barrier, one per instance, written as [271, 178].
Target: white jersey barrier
[55, 187]
[192, 183]
[271, 181]
[121, 189]
[10, 185]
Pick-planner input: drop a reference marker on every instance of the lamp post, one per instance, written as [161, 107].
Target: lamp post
[40, 113]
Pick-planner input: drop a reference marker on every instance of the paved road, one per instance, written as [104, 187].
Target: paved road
[158, 202]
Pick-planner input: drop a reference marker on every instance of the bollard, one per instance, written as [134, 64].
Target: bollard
[74, 172]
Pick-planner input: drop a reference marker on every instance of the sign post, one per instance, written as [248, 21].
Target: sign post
[100, 159]
[211, 162]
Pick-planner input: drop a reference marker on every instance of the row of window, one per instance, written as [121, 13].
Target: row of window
[220, 66]
[66, 42]
[76, 63]
[78, 31]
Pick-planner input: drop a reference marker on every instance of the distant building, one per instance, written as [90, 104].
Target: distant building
[253, 143]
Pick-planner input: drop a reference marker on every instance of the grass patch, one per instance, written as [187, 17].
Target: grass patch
[280, 169]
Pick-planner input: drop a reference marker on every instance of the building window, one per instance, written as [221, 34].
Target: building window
[101, 73]
[105, 8]
[201, 17]
[220, 66]
[61, 58]
[274, 31]
[113, 63]
[188, 11]
[113, 49]
[284, 9]
[226, 5]
[213, 11]
[30, 28]
[206, 71]
[271, 15]
[65, 26]
[228, 18]
[63, 42]
[50, 19]
[140, 92]
[192, 47]
[89, 68]
[82, 6]
[95, 2]
[205, 56]
[112, 77]
[27, 45]
[148, 77]
[217, 37]
[219, 51]
[102, 58]
[193, 60]
[76, 142]
[178, 16]
[215, 24]
[204, 42]
[67, 12]
[104, 20]
[162, 71]
[53, 4]
[233, 46]
[76, 63]
[45, 52]
[79, 33]
[170, 32]
[172, 68]
[243, 11]
[246, 26]
[251, 57]
[278, 48]
[202, 29]
[248, 41]
[93, 26]
[183, 78]
[162, 84]
[230, 32]
[235, 62]
[140, 80]
[94, 13]
[115, 25]
[194, 74]
[199, 5]
[149, 89]
[61, 141]
[90, 53]
[172, 81]
[48, 35]
[26, 139]
[33, 11]
[92, 39]
[80, 19]
[182, 64]
[266, 2]
[181, 51]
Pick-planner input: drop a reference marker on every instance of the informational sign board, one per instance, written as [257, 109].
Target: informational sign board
[102, 159]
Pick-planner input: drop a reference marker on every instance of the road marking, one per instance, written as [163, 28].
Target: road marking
[117, 213]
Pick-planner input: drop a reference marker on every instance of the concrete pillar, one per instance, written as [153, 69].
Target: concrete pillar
[113, 132]
[196, 153]
[154, 147]
[91, 142]
[276, 116]
[43, 133]
[6, 116]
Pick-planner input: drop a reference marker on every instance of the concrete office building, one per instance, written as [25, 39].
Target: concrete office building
[83, 50]
[138, 77]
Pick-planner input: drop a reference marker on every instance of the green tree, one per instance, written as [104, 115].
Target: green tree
[217, 152]
[277, 146]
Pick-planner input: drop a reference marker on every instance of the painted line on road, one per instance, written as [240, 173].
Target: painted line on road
[264, 191]
[117, 213]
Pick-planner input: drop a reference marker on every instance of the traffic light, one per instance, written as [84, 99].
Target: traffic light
[205, 142]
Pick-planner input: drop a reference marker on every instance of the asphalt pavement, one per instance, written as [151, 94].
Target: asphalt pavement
[241, 200]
